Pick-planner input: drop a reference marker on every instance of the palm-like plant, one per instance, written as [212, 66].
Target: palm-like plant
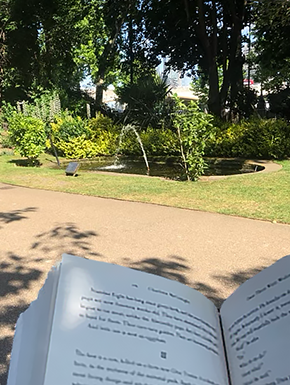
[145, 100]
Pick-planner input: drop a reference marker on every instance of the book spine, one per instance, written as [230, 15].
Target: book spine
[224, 346]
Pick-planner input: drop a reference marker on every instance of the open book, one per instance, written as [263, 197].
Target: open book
[96, 323]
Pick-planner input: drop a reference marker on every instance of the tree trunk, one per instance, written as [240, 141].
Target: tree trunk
[225, 67]
[131, 54]
[236, 60]
[210, 49]
[46, 63]
[1, 80]
[2, 59]
[106, 57]
[99, 91]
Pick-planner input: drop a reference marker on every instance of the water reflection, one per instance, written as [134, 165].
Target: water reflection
[168, 167]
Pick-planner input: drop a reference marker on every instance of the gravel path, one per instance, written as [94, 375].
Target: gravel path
[211, 252]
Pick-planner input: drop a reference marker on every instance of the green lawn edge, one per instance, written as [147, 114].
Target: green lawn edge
[263, 196]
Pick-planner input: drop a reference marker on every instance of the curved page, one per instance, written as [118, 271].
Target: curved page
[114, 325]
[32, 335]
[256, 322]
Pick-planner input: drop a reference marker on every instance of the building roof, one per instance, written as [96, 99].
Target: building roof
[184, 93]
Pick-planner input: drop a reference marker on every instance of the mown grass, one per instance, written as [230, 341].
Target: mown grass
[262, 195]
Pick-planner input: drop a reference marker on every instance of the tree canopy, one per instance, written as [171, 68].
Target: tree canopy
[205, 35]
[272, 31]
[54, 44]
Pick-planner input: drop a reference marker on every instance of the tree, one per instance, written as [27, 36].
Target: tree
[4, 21]
[48, 45]
[10, 79]
[115, 50]
[204, 34]
[114, 15]
[40, 42]
[99, 52]
[272, 31]
[119, 48]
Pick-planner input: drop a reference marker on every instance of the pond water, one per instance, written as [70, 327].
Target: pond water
[166, 167]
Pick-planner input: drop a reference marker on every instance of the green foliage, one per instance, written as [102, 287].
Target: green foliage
[252, 138]
[245, 103]
[80, 147]
[280, 103]
[5, 140]
[272, 29]
[6, 111]
[160, 142]
[54, 45]
[27, 134]
[155, 142]
[201, 35]
[194, 128]
[76, 139]
[199, 86]
[145, 99]
[101, 123]
[67, 127]
[45, 107]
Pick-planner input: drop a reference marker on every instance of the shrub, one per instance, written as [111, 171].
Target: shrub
[66, 127]
[80, 147]
[5, 140]
[155, 142]
[194, 128]
[6, 111]
[101, 123]
[160, 141]
[76, 139]
[258, 138]
[27, 134]
[44, 107]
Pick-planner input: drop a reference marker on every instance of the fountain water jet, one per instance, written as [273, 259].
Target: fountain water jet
[127, 128]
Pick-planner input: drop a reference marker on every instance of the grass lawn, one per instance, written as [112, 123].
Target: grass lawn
[262, 195]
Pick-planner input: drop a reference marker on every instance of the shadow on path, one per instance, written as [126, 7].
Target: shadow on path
[15, 280]
[66, 238]
[15, 276]
[174, 268]
[21, 277]
[230, 281]
[15, 215]
[240, 276]
[7, 187]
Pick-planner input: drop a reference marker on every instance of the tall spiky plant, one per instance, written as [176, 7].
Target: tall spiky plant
[144, 99]
[45, 108]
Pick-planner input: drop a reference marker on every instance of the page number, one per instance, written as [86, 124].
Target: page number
[163, 355]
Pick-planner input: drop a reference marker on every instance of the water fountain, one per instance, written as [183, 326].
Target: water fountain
[168, 166]
[117, 165]
[162, 166]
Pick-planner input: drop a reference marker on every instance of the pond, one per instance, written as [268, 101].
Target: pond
[166, 167]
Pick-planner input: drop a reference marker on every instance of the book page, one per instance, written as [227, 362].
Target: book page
[256, 322]
[32, 335]
[114, 325]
